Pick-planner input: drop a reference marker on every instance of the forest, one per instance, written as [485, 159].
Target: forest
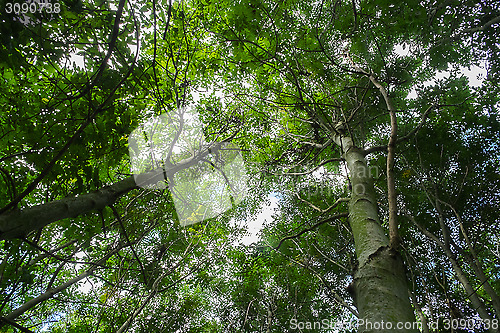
[249, 166]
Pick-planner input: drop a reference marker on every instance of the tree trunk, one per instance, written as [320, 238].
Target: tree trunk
[418, 309]
[16, 224]
[379, 284]
[477, 303]
[485, 281]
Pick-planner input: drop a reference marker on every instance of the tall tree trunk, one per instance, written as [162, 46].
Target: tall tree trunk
[379, 284]
[475, 264]
[418, 310]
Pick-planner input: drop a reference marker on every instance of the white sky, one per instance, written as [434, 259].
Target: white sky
[475, 74]
[255, 225]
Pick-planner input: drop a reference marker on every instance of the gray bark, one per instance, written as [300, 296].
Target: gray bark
[17, 224]
[475, 263]
[471, 292]
[418, 309]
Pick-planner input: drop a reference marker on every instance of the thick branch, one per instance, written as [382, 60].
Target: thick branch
[16, 325]
[391, 152]
[484, 26]
[18, 224]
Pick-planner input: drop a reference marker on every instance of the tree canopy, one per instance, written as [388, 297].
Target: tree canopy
[354, 116]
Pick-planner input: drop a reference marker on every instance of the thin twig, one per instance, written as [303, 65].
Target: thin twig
[328, 219]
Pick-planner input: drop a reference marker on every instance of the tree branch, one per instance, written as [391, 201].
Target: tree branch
[484, 26]
[16, 325]
[18, 224]
[125, 234]
[51, 292]
[391, 153]
[329, 219]
[82, 127]
[323, 210]
[419, 126]
[309, 171]
[336, 296]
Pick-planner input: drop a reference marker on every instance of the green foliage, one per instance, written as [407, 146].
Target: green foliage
[278, 78]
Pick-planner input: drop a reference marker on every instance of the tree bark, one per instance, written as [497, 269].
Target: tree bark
[475, 264]
[379, 284]
[391, 179]
[418, 310]
[17, 224]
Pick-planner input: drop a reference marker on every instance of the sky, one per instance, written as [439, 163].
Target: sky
[255, 225]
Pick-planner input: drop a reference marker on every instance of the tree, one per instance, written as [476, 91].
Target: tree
[84, 230]
[331, 73]
[317, 95]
